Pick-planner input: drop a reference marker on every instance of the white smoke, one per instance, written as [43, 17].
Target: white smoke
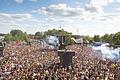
[107, 52]
[51, 41]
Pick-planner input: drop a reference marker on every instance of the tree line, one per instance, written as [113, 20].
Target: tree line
[113, 39]
[18, 35]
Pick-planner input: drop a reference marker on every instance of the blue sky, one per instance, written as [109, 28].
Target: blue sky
[89, 17]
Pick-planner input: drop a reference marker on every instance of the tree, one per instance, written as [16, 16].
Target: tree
[8, 38]
[116, 39]
[105, 38]
[60, 32]
[111, 38]
[16, 32]
[96, 38]
[69, 41]
[16, 35]
[39, 35]
[88, 38]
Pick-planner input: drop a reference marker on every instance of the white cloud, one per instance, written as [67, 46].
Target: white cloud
[112, 17]
[14, 17]
[115, 17]
[117, 0]
[64, 13]
[61, 13]
[91, 20]
[33, 0]
[5, 19]
[60, 20]
[100, 2]
[97, 5]
[19, 1]
[92, 8]
[25, 16]
[118, 9]
[11, 21]
[60, 10]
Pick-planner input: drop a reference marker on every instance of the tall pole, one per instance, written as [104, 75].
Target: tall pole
[77, 31]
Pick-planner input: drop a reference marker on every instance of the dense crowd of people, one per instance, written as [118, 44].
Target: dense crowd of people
[35, 62]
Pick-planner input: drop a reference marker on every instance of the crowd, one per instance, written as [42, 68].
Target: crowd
[35, 62]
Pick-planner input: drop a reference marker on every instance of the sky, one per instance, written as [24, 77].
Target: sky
[83, 17]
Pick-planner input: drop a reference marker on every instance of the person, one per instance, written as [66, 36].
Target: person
[1, 49]
[29, 43]
[19, 64]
